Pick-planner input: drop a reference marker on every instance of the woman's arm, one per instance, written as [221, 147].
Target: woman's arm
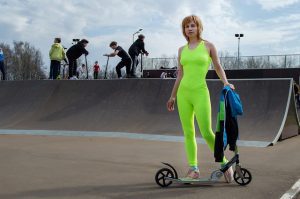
[217, 66]
[171, 101]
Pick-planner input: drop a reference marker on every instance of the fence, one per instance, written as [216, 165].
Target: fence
[246, 62]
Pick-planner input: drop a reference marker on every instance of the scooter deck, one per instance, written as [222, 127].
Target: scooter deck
[193, 181]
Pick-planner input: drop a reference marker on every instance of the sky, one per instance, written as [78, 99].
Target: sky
[270, 27]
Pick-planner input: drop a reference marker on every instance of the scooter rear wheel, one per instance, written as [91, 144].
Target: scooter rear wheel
[242, 180]
[160, 177]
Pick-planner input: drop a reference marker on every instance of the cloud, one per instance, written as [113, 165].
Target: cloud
[102, 21]
[275, 4]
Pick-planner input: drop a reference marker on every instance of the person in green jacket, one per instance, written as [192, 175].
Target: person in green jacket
[56, 54]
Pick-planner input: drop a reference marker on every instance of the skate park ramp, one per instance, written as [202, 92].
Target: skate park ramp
[139, 106]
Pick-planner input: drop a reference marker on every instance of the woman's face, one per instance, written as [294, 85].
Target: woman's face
[191, 29]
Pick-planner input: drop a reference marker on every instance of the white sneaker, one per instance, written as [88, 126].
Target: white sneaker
[193, 174]
[228, 175]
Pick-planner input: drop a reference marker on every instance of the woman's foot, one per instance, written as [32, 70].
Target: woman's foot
[193, 174]
[228, 175]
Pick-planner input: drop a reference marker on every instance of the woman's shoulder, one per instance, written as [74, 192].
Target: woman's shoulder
[181, 48]
[208, 43]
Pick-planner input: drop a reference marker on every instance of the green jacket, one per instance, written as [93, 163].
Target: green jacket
[57, 52]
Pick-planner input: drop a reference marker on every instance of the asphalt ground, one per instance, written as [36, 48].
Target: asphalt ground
[97, 167]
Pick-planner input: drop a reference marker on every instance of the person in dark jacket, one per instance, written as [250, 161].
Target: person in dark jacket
[297, 94]
[135, 49]
[2, 69]
[126, 61]
[73, 53]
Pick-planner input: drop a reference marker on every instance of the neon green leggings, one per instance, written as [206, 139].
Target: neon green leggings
[195, 102]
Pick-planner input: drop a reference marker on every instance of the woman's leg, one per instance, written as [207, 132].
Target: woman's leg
[203, 115]
[186, 114]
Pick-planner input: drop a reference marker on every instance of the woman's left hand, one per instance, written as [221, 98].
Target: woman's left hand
[230, 85]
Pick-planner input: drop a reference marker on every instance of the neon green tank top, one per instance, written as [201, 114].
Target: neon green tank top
[195, 63]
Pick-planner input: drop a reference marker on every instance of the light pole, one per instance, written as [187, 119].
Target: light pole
[137, 32]
[239, 38]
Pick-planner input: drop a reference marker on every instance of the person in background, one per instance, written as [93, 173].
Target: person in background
[2, 68]
[56, 54]
[163, 75]
[73, 53]
[125, 59]
[81, 72]
[135, 49]
[297, 94]
[96, 70]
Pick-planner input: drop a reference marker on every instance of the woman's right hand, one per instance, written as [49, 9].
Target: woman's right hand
[170, 104]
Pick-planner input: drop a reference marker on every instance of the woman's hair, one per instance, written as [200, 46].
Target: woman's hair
[197, 21]
[113, 43]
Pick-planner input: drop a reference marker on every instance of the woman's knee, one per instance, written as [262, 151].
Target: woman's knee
[208, 134]
[189, 136]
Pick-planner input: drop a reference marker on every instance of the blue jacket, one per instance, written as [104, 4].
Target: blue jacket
[227, 127]
[1, 56]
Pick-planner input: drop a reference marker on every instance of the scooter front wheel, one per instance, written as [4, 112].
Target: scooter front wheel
[243, 178]
[161, 175]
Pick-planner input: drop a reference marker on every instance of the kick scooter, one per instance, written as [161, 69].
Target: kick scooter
[167, 175]
[105, 73]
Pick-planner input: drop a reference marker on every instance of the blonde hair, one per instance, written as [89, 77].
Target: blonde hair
[197, 21]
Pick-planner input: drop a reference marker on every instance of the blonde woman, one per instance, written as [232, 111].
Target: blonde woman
[192, 94]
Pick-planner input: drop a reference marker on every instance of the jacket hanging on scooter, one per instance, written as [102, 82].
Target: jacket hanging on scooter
[230, 106]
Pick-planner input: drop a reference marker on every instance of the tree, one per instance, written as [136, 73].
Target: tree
[23, 61]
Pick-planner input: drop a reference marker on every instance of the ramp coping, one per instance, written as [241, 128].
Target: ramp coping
[137, 136]
[285, 115]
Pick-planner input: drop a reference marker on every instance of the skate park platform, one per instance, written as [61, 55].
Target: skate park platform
[108, 163]
[139, 106]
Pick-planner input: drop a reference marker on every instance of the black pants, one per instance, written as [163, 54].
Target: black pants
[2, 70]
[121, 64]
[96, 75]
[135, 62]
[54, 69]
[72, 67]
[297, 96]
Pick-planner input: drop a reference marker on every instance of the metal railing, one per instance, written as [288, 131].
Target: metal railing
[246, 62]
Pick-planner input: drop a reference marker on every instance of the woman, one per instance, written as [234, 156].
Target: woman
[192, 93]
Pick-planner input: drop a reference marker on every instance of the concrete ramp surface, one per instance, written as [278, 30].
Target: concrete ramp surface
[139, 106]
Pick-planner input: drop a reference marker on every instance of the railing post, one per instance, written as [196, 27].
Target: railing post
[285, 61]
[152, 64]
